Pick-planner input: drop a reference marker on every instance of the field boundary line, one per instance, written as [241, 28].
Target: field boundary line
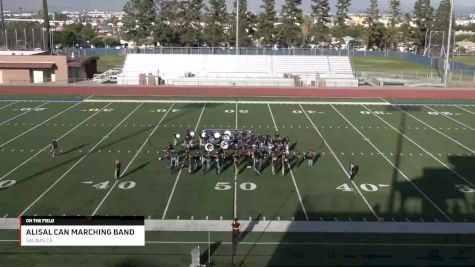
[238, 101]
[394, 166]
[132, 160]
[290, 170]
[8, 105]
[434, 129]
[464, 109]
[31, 129]
[448, 117]
[46, 147]
[179, 172]
[420, 147]
[21, 114]
[80, 160]
[296, 243]
[339, 162]
[354, 227]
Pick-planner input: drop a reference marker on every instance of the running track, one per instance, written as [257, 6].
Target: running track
[404, 93]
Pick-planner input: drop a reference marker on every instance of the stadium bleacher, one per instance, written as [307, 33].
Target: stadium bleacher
[240, 70]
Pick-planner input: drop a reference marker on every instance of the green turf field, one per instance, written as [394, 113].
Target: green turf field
[108, 61]
[415, 163]
[469, 60]
[389, 65]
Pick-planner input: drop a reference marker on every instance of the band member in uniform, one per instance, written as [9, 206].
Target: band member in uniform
[249, 156]
[310, 155]
[257, 163]
[275, 158]
[175, 140]
[285, 162]
[117, 166]
[208, 163]
[217, 159]
[353, 170]
[173, 162]
[54, 147]
[236, 163]
[189, 161]
[196, 161]
[236, 231]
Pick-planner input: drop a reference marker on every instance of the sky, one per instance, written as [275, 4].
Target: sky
[116, 5]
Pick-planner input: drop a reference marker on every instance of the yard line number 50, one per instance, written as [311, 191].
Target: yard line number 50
[223, 186]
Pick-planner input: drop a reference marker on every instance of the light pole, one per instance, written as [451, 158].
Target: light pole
[237, 27]
[447, 55]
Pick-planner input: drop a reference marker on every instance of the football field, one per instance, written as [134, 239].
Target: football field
[416, 164]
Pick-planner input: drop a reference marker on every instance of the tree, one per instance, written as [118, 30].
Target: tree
[442, 18]
[407, 31]
[374, 28]
[245, 25]
[214, 32]
[306, 28]
[139, 20]
[190, 31]
[87, 32]
[111, 42]
[266, 23]
[98, 42]
[289, 31]
[46, 24]
[342, 7]
[423, 19]
[392, 33]
[320, 13]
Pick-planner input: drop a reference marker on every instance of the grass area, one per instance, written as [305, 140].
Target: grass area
[390, 65]
[416, 164]
[108, 61]
[468, 60]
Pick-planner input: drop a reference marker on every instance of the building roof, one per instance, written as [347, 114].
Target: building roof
[27, 65]
[465, 43]
[21, 53]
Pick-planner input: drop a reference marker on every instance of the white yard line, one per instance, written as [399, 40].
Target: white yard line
[450, 118]
[80, 160]
[9, 105]
[133, 159]
[179, 173]
[235, 176]
[291, 172]
[240, 101]
[455, 141]
[21, 114]
[46, 147]
[31, 129]
[339, 162]
[394, 166]
[420, 147]
[471, 112]
[171, 195]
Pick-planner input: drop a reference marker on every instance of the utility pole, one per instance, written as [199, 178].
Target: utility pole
[46, 25]
[237, 27]
[447, 65]
[4, 30]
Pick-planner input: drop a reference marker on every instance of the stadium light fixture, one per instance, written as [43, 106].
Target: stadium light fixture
[447, 55]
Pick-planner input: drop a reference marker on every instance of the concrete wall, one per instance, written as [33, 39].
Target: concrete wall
[12, 76]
